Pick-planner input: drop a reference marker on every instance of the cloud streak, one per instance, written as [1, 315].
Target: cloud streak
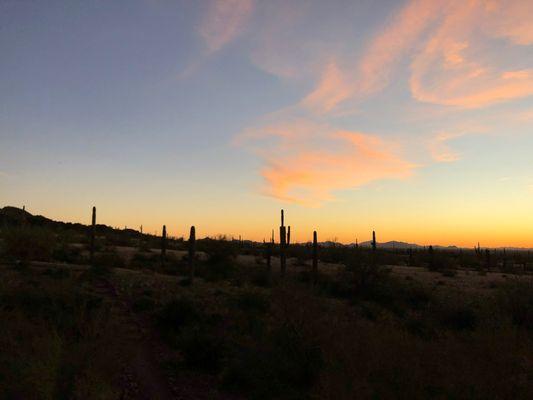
[442, 40]
[456, 55]
[306, 162]
[223, 22]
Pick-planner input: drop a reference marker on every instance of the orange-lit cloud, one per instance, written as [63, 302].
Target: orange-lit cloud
[224, 21]
[442, 40]
[332, 89]
[306, 162]
[447, 71]
[447, 53]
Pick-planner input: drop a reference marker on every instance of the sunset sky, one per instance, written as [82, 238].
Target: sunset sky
[412, 118]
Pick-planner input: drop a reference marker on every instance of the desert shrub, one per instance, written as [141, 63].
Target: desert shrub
[57, 273]
[143, 303]
[108, 259]
[261, 278]
[281, 364]
[251, 301]
[68, 310]
[192, 331]
[456, 315]
[178, 313]
[30, 358]
[515, 299]
[334, 254]
[340, 286]
[28, 243]
[449, 273]
[53, 340]
[143, 260]
[219, 266]
[202, 349]
[397, 296]
[68, 254]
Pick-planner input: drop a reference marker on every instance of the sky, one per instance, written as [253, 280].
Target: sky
[413, 118]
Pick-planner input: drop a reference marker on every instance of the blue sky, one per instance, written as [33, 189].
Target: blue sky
[411, 117]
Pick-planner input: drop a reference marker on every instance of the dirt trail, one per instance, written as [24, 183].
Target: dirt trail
[142, 378]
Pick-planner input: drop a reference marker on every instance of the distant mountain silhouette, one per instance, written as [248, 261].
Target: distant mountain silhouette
[393, 244]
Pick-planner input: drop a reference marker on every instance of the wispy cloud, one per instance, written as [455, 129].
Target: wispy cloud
[306, 162]
[442, 40]
[223, 22]
[450, 55]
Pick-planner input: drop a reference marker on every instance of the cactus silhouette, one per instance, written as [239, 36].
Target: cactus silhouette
[192, 251]
[374, 248]
[282, 243]
[288, 235]
[92, 236]
[270, 249]
[431, 258]
[504, 263]
[315, 257]
[163, 244]
[268, 255]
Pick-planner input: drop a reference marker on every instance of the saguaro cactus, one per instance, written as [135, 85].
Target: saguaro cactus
[92, 236]
[268, 250]
[315, 257]
[374, 244]
[504, 262]
[288, 235]
[192, 251]
[163, 244]
[282, 244]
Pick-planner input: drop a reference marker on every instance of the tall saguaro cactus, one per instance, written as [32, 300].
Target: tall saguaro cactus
[92, 235]
[315, 257]
[164, 245]
[192, 251]
[268, 250]
[282, 244]
[374, 248]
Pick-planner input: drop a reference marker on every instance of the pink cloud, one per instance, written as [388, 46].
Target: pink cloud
[446, 72]
[306, 163]
[449, 51]
[442, 40]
